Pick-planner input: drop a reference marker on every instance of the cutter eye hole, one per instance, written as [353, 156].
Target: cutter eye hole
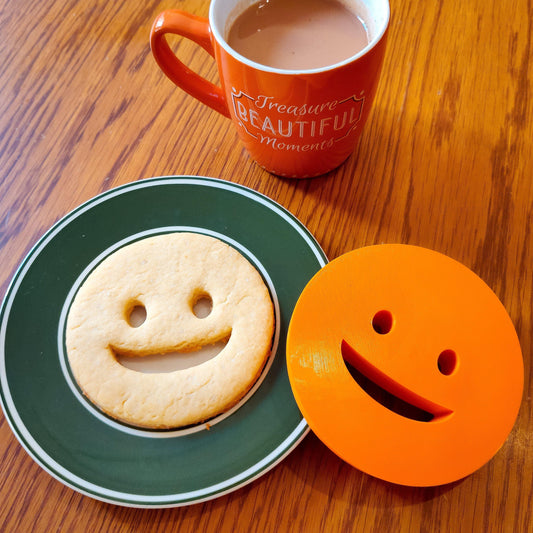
[447, 362]
[382, 322]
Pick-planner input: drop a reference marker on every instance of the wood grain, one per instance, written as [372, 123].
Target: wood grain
[445, 162]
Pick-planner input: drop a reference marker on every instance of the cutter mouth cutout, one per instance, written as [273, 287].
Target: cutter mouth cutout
[388, 392]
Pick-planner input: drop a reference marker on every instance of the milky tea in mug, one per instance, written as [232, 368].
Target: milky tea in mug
[299, 107]
[298, 34]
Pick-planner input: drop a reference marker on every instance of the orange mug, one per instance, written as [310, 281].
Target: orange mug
[294, 123]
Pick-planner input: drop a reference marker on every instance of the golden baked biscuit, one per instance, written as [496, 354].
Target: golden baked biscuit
[167, 274]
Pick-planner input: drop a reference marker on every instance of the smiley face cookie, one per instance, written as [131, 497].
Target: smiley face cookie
[167, 275]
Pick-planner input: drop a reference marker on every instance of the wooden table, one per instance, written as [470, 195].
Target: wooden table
[445, 162]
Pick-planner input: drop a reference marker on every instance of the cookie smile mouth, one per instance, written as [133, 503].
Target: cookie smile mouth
[171, 361]
[388, 392]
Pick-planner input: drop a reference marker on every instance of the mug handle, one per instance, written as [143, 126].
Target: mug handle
[196, 29]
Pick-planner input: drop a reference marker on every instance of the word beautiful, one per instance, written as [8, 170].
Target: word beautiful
[299, 128]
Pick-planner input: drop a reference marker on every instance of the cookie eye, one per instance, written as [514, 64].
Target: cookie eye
[137, 315]
[202, 305]
[382, 322]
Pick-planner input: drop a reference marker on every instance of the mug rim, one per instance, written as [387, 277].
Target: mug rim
[292, 72]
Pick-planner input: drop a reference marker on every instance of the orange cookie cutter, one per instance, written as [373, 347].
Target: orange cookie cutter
[405, 364]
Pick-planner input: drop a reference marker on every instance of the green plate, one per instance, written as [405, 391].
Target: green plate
[98, 456]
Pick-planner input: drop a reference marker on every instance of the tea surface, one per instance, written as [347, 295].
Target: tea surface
[298, 34]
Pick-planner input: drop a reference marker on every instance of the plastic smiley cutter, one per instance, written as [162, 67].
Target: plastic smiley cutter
[405, 364]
